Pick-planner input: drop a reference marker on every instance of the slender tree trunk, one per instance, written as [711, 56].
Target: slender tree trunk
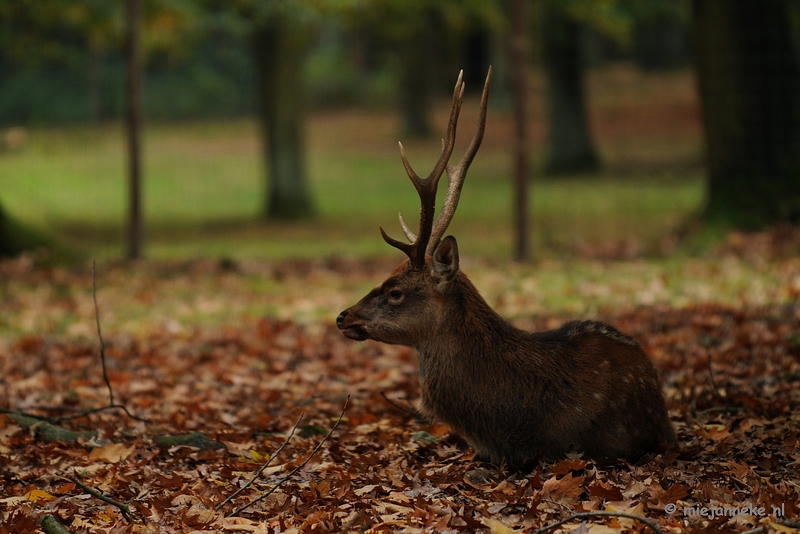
[95, 79]
[518, 51]
[569, 147]
[133, 127]
[415, 57]
[280, 49]
[748, 74]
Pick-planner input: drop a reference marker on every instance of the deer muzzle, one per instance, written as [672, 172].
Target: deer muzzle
[350, 326]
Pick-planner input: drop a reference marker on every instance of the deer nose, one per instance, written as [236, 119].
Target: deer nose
[340, 319]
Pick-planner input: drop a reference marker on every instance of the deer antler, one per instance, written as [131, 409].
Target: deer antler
[429, 235]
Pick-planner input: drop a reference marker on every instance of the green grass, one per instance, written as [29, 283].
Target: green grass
[203, 191]
[204, 187]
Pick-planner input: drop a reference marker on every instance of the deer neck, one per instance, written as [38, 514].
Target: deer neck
[469, 332]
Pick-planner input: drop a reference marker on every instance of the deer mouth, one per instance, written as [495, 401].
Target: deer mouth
[355, 332]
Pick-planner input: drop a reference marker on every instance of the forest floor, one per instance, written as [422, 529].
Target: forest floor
[243, 358]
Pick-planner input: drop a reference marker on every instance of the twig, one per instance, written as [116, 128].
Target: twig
[126, 511]
[296, 469]
[261, 470]
[111, 404]
[712, 382]
[102, 409]
[711, 373]
[587, 515]
[410, 411]
[100, 335]
[757, 530]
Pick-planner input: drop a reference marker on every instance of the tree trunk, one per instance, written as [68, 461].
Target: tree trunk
[518, 55]
[415, 58]
[16, 238]
[96, 81]
[749, 81]
[9, 238]
[569, 147]
[280, 49]
[133, 116]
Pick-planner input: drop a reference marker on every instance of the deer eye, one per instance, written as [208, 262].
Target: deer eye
[395, 295]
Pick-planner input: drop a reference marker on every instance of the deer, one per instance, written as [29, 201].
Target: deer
[516, 397]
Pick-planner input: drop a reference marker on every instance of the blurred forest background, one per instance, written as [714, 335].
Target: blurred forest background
[268, 128]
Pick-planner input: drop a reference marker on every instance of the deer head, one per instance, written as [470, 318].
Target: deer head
[406, 307]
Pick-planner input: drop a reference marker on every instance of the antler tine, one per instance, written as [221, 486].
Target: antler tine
[449, 142]
[410, 249]
[426, 188]
[406, 230]
[457, 174]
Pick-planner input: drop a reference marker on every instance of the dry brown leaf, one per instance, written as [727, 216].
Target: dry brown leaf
[112, 453]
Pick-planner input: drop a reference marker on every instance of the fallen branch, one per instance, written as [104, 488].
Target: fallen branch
[261, 470]
[586, 515]
[51, 525]
[296, 469]
[47, 430]
[126, 511]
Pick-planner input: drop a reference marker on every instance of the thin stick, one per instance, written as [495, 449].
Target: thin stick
[587, 515]
[409, 411]
[126, 511]
[100, 335]
[269, 460]
[296, 469]
[102, 409]
[711, 375]
[111, 404]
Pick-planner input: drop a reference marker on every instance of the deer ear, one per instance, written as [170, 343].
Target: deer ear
[445, 262]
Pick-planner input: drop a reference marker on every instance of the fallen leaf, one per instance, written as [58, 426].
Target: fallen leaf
[496, 527]
[39, 496]
[567, 485]
[112, 453]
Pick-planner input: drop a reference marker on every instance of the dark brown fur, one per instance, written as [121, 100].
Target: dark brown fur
[516, 396]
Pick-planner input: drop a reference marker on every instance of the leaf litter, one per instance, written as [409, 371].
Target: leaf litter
[730, 373]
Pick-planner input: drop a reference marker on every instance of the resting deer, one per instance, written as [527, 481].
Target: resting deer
[515, 396]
